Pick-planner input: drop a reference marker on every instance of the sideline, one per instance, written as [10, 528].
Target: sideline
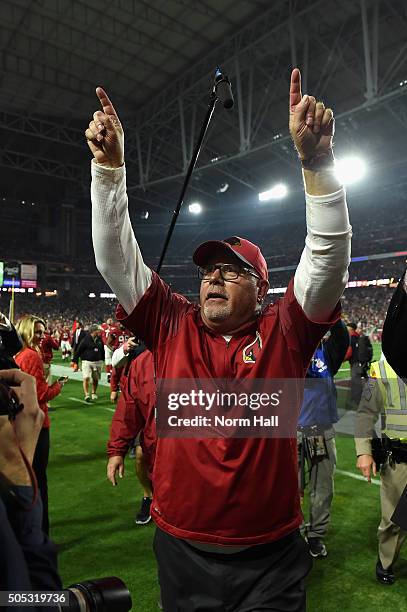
[358, 477]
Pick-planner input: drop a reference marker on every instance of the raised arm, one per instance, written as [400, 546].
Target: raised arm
[322, 273]
[117, 254]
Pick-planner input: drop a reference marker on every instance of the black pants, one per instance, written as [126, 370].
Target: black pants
[40, 463]
[356, 385]
[267, 577]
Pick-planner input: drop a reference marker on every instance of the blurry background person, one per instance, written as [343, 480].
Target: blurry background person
[65, 338]
[91, 351]
[129, 348]
[134, 419]
[394, 336]
[32, 331]
[384, 394]
[359, 355]
[48, 345]
[316, 435]
[110, 331]
[77, 336]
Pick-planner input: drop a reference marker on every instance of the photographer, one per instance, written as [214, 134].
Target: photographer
[32, 331]
[28, 560]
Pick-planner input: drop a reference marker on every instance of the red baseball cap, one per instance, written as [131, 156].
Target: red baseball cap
[243, 249]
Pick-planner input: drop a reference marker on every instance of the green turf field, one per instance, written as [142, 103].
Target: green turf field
[93, 523]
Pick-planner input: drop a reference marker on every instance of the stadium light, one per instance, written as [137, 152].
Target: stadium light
[223, 188]
[195, 208]
[350, 170]
[277, 192]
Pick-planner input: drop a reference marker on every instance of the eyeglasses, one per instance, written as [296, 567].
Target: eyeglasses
[228, 272]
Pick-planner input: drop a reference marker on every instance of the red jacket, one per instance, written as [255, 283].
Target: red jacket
[234, 491]
[47, 346]
[135, 411]
[29, 360]
[352, 335]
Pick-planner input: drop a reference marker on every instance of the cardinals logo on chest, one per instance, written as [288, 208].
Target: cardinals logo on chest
[252, 351]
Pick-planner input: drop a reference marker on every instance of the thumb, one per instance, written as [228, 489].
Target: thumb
[374, 469]
[121, 470]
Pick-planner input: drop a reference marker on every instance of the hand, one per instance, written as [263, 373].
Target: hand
[311, 124]
[27, 426]
[114, 465]
[113, 396]
[364, 463]
[128, 345]
[105, 134]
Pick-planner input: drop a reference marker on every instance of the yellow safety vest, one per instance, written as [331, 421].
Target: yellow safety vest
[394, 394]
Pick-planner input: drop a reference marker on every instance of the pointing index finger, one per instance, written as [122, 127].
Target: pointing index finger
[295, 88]
[107, 106]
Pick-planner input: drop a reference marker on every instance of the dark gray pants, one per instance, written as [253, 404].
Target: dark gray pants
[263, 578]
[321, 489]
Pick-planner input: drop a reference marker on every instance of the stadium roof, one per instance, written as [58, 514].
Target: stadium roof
[157, 59]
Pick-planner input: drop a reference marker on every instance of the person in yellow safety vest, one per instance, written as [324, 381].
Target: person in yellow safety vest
[384, 395]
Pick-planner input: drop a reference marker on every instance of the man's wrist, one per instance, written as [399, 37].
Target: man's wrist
[319, 174]
[321, 161]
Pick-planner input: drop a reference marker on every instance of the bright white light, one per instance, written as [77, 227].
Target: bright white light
[195, 208]
[92, 295]
[277, 192]
[350, 170]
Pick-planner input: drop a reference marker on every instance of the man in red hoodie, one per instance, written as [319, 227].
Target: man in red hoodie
[134, 418]
[48, 345]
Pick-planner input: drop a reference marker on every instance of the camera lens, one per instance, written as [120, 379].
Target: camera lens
[100, 595]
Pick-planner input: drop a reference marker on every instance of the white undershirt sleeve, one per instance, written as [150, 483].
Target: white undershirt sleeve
[119, 358]
[322, 273]
[117, 254]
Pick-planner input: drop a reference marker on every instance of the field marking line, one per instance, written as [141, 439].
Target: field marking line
[76, 399]
[357, 476]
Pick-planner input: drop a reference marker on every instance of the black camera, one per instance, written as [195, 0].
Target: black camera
[100, 595]
[9, 403]
[10, 344]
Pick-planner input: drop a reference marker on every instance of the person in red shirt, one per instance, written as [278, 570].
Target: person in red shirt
[110, 333]
[32, 332]
[227, 508]
[65, 338]
[134, 419]
[125, 343]
[48, 345]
